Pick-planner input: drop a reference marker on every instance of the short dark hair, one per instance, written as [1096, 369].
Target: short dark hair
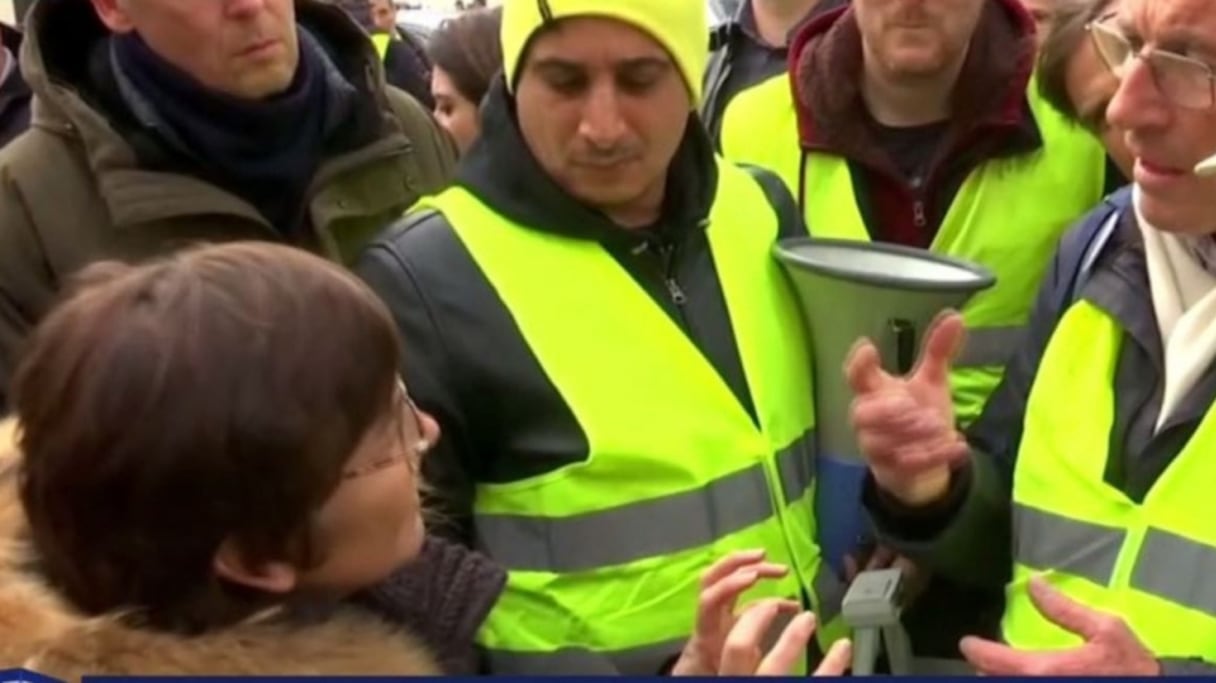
[468, 48]
[164, 408]
[1066, 33]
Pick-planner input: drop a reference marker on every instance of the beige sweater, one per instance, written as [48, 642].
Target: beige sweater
[1184, 298]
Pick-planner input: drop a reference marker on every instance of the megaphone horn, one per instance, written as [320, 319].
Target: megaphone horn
[847, 290]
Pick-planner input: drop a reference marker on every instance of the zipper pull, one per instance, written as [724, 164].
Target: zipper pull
[677, 294]
[918, 214]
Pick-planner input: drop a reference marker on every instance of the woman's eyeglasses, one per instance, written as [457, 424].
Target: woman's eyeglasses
[410, 447]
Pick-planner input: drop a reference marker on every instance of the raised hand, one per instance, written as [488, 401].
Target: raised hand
[905, 425]
[727, 643]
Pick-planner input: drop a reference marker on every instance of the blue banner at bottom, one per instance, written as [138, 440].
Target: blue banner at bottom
[25, 676]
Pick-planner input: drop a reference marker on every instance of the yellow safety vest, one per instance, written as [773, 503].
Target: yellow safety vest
[381, 41]
[1008, 216]
[605, 555]
[1152, 563]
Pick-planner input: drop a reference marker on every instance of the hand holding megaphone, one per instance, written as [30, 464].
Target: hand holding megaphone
[905, 425]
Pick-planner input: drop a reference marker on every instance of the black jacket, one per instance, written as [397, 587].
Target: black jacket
[14, 93]
[967, 537]
[407, 68]
[739, 60]
[465, 359]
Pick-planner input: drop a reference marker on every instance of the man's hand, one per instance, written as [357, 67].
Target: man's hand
[1110, 648]
[726, 644]
[905, 425]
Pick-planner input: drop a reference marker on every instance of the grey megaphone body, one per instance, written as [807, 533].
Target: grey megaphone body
[847, 290]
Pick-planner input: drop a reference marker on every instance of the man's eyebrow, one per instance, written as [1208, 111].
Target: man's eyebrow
[643, 62]
[631, 63]
[549, 63]
[1185, 40]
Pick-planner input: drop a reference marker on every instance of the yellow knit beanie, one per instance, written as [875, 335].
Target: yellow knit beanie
[680, 26]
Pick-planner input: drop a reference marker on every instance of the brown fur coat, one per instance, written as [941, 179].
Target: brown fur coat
[39, 632]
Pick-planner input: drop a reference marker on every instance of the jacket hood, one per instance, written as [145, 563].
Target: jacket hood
[39, 631]
[59, 62]
[501, 170]
[825, 61]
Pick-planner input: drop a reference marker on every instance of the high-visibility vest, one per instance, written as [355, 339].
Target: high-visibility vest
[605, 555]
[381, 41]
[1007, 216]
[1152, 563]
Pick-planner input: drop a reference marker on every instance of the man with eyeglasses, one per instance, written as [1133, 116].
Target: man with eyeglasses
[1086, 486]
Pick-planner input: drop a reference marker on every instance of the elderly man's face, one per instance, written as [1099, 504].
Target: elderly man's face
[244, 48]
[1165, 108]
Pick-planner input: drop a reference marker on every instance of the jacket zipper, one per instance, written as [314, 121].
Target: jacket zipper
[674, 290]
[918, 213]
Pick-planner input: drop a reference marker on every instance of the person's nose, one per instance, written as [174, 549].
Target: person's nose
[602, 123]
[430, 428]
[1138, 104]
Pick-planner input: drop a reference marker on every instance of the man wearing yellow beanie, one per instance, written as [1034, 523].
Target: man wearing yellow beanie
[679, 26]
[593, 315]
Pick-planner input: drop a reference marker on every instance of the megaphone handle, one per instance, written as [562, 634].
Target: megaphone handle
[905, 344]
[867, 646]
[898, 648]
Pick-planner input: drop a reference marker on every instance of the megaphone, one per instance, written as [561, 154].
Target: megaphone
[847, 290]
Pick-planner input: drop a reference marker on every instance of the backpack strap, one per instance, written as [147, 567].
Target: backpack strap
[1093, 250]
[1104, 226]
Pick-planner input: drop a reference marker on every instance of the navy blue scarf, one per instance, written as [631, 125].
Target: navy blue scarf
[264, 151]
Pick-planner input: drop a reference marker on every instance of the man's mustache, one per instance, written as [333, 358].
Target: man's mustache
[607, 156]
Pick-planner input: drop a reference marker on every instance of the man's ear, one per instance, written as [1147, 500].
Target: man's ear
[269, 577]
[113, 13]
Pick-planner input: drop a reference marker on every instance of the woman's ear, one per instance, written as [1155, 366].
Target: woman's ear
[269, 577]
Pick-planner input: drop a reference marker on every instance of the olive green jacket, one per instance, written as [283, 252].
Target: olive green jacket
[72, 190]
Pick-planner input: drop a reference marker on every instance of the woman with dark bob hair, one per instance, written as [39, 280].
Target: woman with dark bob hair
[216, 472]
[218, 462]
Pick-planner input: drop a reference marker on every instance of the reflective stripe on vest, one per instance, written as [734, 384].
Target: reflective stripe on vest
[1007, 216]
[1152, 563]
[381, 41]
[689, 519]
[605, 555]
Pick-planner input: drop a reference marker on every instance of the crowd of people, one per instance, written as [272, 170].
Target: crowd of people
[327, 348]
